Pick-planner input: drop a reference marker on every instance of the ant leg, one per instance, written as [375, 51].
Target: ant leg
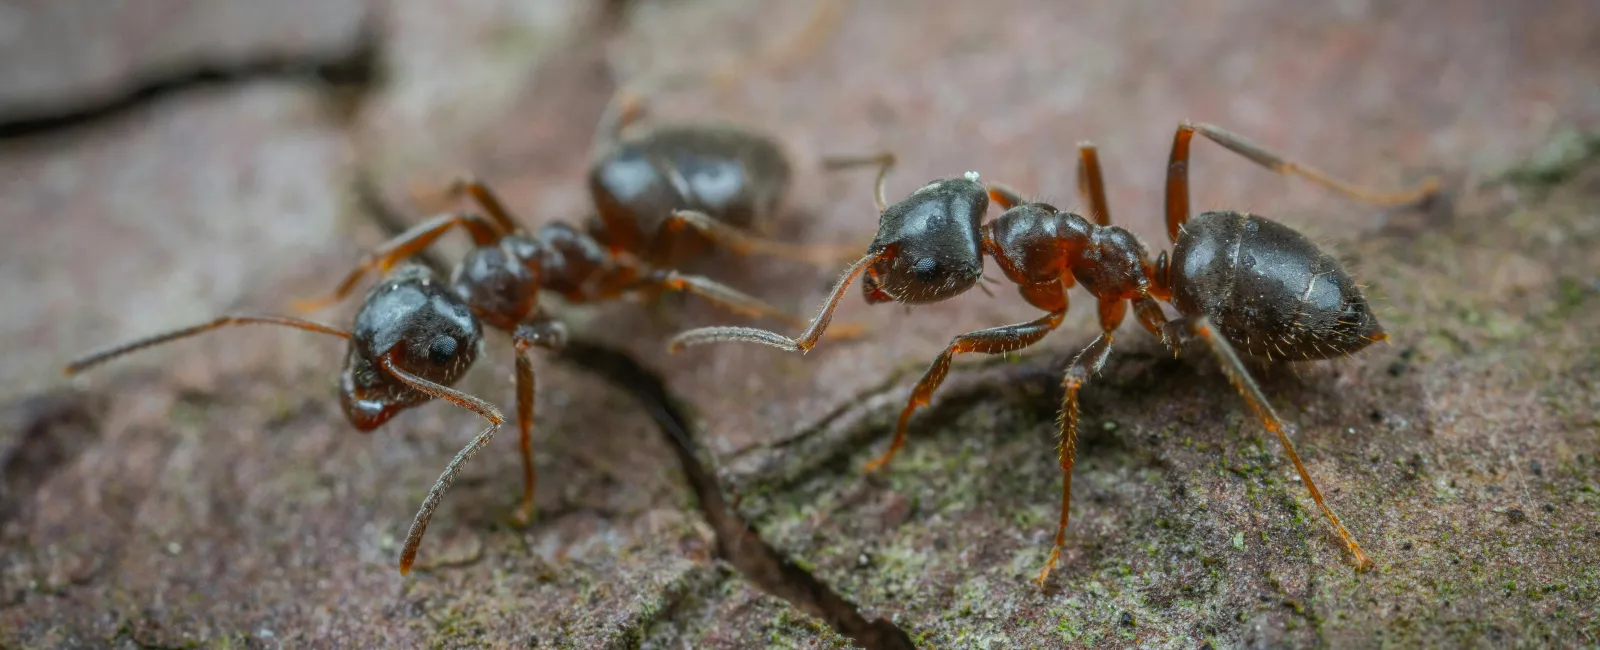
[96, 358]
[995, 340]
[486, 199]
[550, 335]
[405, 245]
[419, 525]
[1084, 366]
[625, 107]
[1004, 196]
[718, 294]
[743, 243]
[1178, 173]
[807, 339]
[885, 161]
[1091, 184]
[1240, 376]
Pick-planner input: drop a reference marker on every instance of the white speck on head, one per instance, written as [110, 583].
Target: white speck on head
[971, 176]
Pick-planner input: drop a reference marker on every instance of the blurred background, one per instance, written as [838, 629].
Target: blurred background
[168, 160]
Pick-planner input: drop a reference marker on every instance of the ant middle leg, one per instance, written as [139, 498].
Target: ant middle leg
[1235, 369]
[1084, 366]
[550, 335]
[1178, 173]
[404, 245]
[995, 340]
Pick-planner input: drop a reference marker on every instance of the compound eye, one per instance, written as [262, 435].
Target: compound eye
[442, 349]
[926, 270]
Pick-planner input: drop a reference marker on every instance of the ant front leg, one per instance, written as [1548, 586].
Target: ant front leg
[404, 245]
[1178, 174]
[996, 340]
[550, 335]
[1084, 366]
[1092, 184]
[1247, 387]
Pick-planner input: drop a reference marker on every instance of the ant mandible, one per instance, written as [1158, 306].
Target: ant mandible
[1239, 281]
[415, 336]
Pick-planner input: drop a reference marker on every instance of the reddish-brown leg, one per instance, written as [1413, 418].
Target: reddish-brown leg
[406, 244]
[807, 339]
[1084, 366]
[486, 199]
[1091, 184]
[1246, 385]
[419, 525]
[995, 340]
[743, 243]
[1178, 174]
[102, 356]
[718, 294]
[551, 335]
[1004, 196]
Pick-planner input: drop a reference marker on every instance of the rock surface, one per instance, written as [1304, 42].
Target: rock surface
[211, 493]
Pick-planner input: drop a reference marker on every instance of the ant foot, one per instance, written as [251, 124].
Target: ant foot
[1055, 554]
[878, 463]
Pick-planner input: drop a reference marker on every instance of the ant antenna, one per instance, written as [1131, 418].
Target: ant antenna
[419, 525]
[102, 356]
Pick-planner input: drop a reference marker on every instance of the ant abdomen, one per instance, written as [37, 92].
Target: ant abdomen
[1269, 290]
[736, 176]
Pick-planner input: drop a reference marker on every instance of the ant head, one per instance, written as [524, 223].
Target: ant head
[412, 323]
[937, 251]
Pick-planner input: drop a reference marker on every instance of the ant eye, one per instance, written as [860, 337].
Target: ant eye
[442, 349]
[926, 269]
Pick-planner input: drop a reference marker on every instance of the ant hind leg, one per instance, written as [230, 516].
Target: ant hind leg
[1247, 387]
[1177, 202]
[743, 243]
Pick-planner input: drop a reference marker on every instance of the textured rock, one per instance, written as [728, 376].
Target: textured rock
[211, 493]
[66, 54]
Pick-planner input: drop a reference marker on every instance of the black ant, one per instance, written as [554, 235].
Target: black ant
[1239, 281]
[415, 336]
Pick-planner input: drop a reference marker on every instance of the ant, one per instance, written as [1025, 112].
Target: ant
[415, 335]
[1239, 281]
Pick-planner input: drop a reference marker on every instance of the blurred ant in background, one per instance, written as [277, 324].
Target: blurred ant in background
[1239, 281]
[661, 195]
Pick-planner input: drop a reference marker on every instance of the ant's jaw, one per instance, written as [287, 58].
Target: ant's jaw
[367, 399]
[366, 414]
[872, 290]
